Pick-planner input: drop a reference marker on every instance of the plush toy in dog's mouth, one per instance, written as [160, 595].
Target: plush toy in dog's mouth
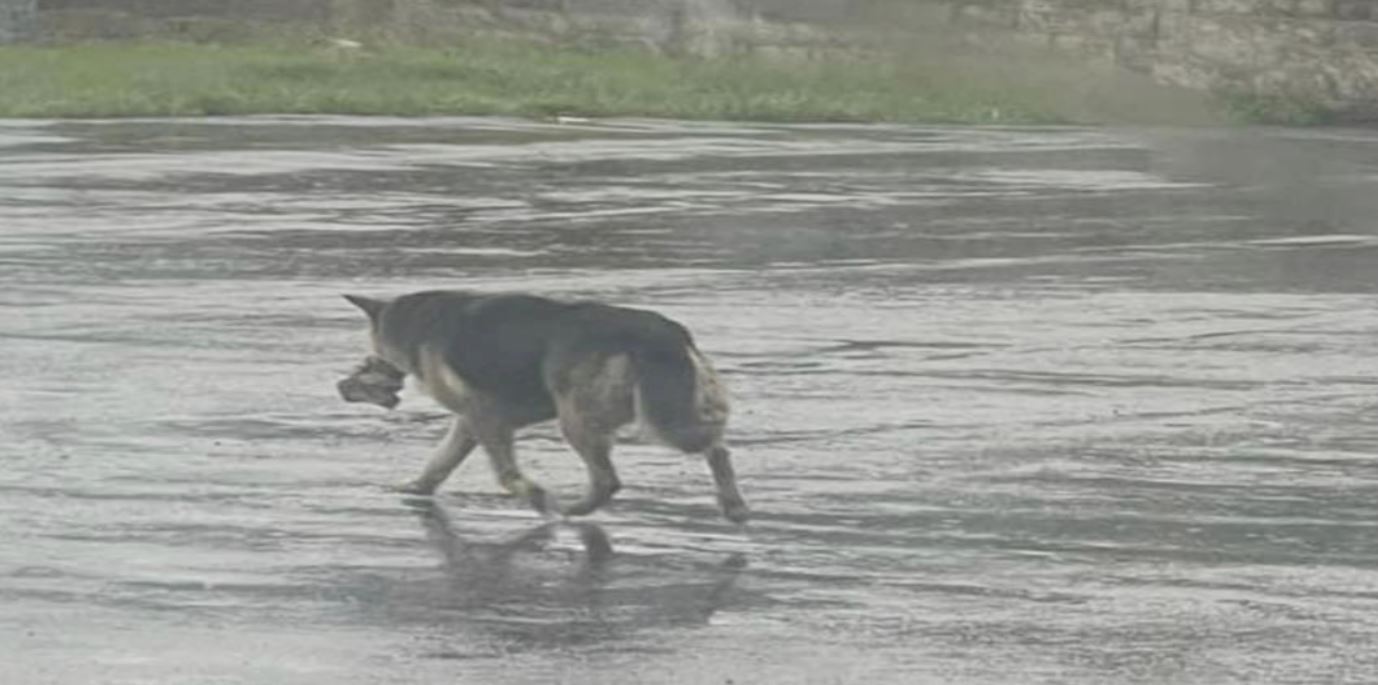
[374, 381]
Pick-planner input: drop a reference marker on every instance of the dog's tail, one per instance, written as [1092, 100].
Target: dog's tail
[679, 396]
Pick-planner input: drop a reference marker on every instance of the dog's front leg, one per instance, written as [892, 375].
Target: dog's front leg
[729, 497]
[457, 445]
[496, 436]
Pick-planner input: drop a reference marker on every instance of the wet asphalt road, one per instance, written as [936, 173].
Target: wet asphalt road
[1013, 405]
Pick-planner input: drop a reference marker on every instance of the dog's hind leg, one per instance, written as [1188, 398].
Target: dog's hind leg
[595, 448]
[729, 498]
[496, 437]
[459, 442]
[593, 398]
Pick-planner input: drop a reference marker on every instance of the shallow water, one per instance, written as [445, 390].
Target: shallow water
[1012, 405]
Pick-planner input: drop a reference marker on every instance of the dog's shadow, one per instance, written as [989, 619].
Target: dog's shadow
[537, 589]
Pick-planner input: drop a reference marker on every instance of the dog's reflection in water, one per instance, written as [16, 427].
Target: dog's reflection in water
[535, 590]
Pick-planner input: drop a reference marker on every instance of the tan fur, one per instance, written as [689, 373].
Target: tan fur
[597, 401]
[600, 393]
[711, 399]
[441, 382]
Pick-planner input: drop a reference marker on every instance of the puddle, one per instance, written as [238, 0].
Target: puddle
[1013, 405]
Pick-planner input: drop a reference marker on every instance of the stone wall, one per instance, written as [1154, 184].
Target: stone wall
[703, 27]
[197, 20]
[1322, 52]
[1317, 51]
[17, 20]
[699, 27]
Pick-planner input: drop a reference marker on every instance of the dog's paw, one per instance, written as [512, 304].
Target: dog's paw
[412, 487]
[735, 511]
[544, 503]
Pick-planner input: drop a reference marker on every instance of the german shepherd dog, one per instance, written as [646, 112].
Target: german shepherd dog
[501, 362]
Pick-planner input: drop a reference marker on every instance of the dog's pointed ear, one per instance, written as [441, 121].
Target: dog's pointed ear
[370, 306]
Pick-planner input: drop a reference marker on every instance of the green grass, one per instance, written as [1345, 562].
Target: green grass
[485, 76]
[1280, 110]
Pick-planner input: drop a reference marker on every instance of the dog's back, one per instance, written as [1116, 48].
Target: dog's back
[519, 350]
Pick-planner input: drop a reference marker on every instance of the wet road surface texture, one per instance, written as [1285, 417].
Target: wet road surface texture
[1012, 405]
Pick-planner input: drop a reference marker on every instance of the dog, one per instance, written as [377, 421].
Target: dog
[500, 362]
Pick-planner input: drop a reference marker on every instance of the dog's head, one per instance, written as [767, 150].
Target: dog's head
[370, 306]
[374, 309]
[378, 379]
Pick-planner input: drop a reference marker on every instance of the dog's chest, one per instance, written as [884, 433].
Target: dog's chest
[441, 382]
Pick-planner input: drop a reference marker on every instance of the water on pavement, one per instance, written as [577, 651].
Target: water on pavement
[1012, 405]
